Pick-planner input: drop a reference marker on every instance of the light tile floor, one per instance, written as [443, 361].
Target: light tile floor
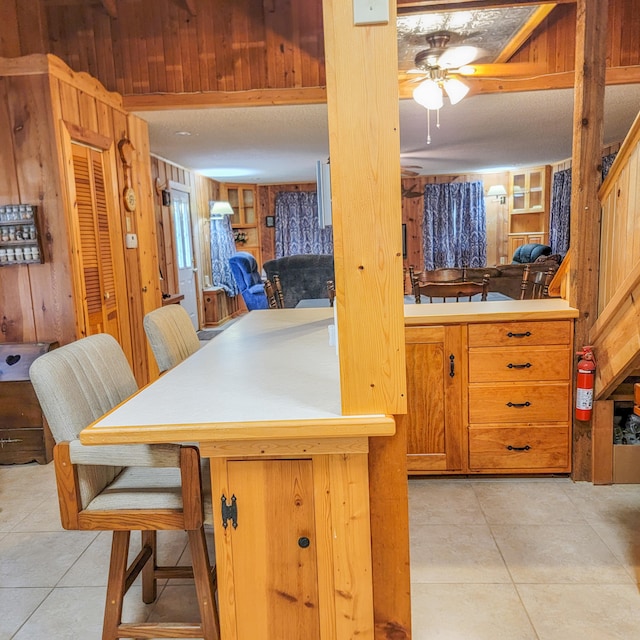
[491, 559]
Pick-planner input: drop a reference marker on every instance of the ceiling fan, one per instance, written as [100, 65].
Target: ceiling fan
[438, 69]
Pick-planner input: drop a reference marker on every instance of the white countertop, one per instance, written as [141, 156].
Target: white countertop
[266, 374]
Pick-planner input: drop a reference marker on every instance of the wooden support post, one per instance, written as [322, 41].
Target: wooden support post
[364, 144]
[591, 32]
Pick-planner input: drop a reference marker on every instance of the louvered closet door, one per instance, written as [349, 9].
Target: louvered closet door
[100, 303]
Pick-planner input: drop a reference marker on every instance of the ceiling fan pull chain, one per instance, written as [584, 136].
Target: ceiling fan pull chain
[428, 126]
[438, 118]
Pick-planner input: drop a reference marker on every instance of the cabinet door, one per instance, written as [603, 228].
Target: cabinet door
[436, 375]
[275, 532]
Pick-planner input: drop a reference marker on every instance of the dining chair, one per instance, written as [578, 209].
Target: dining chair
[171, 335]
[123, 488]
[271, 294]
[277, 285]
[447, 291]
[536, 287]
[331, 291]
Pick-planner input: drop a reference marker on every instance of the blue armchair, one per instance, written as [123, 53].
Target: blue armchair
[245, 272]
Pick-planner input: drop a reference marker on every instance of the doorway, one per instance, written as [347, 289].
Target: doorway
[184, 253]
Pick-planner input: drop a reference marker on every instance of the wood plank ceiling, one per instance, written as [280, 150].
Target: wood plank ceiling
[191, 53]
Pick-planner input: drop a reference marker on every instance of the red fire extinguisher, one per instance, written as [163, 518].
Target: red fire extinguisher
[584, 384]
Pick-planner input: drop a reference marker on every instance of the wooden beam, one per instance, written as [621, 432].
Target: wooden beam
[251, 98]
[588, 124]
[565, 80]
[364, 146]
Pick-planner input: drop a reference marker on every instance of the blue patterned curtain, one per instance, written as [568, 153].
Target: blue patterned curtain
[454, 225]
[222, 248]
[607, 161]
[560, 218]
[297, 230]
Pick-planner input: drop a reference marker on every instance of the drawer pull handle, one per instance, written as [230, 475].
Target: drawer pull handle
[526, 334]
[452, 366]
[526, 365]
[519, 405]
[525, 448]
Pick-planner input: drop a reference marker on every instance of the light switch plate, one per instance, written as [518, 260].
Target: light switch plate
[370, 12]
[131, 241]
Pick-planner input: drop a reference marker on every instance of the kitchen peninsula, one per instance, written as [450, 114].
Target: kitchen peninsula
[263, 402]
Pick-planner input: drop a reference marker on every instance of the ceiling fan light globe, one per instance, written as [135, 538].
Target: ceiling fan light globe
[429, 95]
[457, 57]
[456, 89]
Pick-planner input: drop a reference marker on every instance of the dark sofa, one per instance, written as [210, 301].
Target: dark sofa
[302, 276]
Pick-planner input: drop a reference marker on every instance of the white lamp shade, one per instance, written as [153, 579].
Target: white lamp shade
[219, 208]
[429, 95]
[497, 190]
[456, 90]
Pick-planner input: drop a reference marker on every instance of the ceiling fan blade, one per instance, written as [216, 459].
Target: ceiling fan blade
[500, 70]
[454, 57]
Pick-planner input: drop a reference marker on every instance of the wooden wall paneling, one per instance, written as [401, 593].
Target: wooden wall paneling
[204, 191]
[69, 104]
[140, 55]
[147, 251]
[32, 114]
[88, 111]
[9, 35]
[17, 323]
[32, 26]
[105, 67]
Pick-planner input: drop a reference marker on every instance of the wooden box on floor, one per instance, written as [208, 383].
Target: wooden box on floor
[218, 306]
[24, 434]
[626, 464]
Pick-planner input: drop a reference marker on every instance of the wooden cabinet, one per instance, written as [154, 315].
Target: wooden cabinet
[436, 379]
[24, 434]
[529, 202]
[505, 409]
[244, 220]
[520, 396]
[293, 539]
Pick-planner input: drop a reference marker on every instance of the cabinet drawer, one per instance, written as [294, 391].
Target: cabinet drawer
[532, 402]
[528, 448]
[508, 364]
[519, 334]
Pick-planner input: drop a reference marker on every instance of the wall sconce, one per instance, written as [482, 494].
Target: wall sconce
[219, 208]
[498, 192]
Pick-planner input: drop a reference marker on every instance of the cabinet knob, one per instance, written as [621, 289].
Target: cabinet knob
[107, 295]
[303, 542]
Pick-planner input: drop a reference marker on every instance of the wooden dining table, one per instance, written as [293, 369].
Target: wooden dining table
[289, 474]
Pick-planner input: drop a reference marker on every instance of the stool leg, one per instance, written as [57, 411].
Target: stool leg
[204, 584]
[149, 580]
[116, 584]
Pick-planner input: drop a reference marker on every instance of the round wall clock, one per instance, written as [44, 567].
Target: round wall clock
[129, 196]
